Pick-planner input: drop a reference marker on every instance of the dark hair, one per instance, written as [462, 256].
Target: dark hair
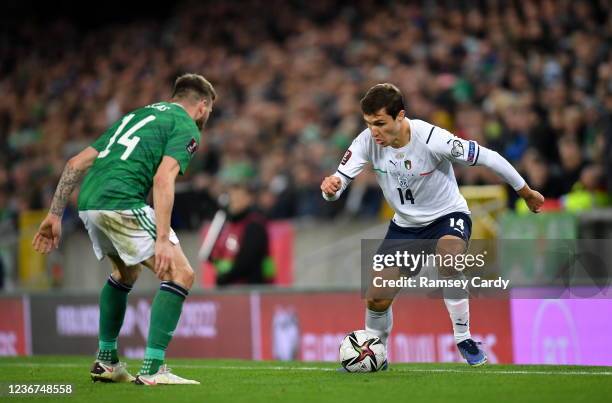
[380, 96]
[193, 87]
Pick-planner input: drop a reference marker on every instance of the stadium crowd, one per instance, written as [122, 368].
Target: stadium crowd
[529, 79]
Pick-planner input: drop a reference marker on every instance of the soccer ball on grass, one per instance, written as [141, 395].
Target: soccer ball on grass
[361, 351]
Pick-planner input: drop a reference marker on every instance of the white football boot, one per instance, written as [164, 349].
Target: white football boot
[107, 372]
[163, 376]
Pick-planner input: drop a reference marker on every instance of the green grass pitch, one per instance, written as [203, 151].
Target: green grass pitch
[249, 381]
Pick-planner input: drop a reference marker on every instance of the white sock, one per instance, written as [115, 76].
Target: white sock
[379, 323]
[459, 311]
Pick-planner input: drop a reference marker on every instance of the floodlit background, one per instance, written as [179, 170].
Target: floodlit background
[529, 79]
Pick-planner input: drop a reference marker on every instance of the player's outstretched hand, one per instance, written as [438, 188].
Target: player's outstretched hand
[48, 235]
[330, 185]
[533, 198]
[164, 261]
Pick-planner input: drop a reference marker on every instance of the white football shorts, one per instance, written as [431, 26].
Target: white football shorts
[129, 234]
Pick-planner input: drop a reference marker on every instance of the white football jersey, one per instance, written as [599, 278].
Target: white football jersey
[417, 180]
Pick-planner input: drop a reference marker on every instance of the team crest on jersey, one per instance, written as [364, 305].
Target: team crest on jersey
[457, 150]
[408, 164]
[403, 181]
[347, 157]
[192, 147]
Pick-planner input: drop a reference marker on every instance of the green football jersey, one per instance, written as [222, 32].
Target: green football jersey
[130, 152]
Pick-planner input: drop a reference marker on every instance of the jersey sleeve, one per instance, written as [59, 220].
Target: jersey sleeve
[182, 143]
[498, 164]
[354, 159]
[447, 146]
[351, 165]
[469, 152]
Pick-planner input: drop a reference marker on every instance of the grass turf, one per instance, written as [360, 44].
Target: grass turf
[249, 381]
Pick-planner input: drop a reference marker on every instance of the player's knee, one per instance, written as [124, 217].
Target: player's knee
[189, 277]
[378, 305]
[184, 276]
[449, 246]
[447, 271]
[127, 276]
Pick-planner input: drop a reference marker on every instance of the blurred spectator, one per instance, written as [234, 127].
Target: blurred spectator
[8, 237]
[541, 175]
[587, 193]
[241, 254]
[512, 75]
[572, 162]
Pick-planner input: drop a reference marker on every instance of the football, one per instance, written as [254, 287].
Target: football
[361, 351]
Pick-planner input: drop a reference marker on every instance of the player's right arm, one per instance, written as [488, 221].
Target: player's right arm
[351, 165]
[50, 230]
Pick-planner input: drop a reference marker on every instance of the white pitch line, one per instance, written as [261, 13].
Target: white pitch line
[438, 370]
[505, 372]
[281, 368]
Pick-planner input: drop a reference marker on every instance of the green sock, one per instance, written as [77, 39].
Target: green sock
[151, 365]
[165, 314]
[109, 355]
[113, 303]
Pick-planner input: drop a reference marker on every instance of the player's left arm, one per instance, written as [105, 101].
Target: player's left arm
[498, 164]
[163, 201]
[180, 146]
[469, 152]
[50, 230]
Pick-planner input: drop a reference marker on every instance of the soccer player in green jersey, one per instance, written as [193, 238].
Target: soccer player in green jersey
[145, 149]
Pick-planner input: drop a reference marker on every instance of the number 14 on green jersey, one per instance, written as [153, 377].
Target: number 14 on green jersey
[130, 142]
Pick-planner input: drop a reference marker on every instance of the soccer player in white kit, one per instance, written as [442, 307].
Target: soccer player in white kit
[412, 160]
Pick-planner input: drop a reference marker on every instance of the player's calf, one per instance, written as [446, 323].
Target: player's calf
[378, 305]
[379, 318]
[165, 314]
[166, 309]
